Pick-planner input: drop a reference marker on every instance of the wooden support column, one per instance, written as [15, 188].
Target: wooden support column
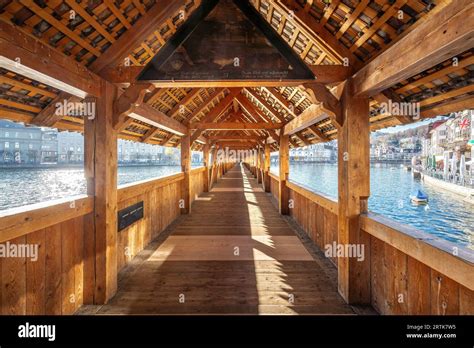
[206, 152]
[354, 190]
[214, 166]
[100, 243]
[186, 168]
[283, 195]
[259, 165]
[266, 168]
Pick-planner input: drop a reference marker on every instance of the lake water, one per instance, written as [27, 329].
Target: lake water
[20, 187]
[446, 216]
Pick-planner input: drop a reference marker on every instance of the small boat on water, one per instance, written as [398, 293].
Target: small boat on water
[419, 198]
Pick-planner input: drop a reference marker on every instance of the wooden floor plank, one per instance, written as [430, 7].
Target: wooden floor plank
[197, 269]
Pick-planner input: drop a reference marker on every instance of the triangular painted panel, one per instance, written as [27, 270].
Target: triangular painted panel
[226, 40]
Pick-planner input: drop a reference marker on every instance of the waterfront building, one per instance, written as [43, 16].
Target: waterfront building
[459, 131]
[20, 145]
[321, 152]
[70, 148]
[438, 140]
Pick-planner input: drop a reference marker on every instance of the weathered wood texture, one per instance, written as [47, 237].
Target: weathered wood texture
[274, 186]
[402, 285]
[161, 207]
[402, 281]
[52, 281]
[316, 215]
[196, 270]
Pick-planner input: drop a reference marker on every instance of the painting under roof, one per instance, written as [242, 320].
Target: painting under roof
[226, 40]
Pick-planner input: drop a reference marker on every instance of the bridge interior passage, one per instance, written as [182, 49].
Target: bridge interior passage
[234, 254]
[215, 76]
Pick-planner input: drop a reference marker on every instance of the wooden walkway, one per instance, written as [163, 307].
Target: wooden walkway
[235, 254]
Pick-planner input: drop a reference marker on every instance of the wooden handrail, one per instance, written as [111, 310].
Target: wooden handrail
[17, 222]
[197, 170]
[137, 188]
[435, 253]
[318, 198]
[274, 176]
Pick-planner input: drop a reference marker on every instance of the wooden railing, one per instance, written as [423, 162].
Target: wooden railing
[198, 177]
[274, 185]
[411, 272]
[316, 214]
[161, 207]
[54, 282]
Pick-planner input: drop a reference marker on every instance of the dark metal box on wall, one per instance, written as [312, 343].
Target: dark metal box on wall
[130, 215]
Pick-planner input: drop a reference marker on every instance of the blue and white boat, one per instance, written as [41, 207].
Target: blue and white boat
[419, 198]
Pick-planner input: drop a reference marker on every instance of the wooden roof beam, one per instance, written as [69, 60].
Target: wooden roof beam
[277, 115]
[148, 114]
[216, 112]
[327, 101]
[132, 38]
[312, 25]
[204, 104]
[129, 101]
[50, 115]
[441, 36]
[445, 108]
[234, 125]
[384, 98]
[44, 64]
[258, 115]
[309, 117]
[236, 137]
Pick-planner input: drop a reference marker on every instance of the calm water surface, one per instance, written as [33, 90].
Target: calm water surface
[446, 216]
[20, 187]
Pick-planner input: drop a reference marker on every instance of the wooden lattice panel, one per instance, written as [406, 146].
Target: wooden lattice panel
[451, 79]
[305, 43]
[366, 27]
[86, 29]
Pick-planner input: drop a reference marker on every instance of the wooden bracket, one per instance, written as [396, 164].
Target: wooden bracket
[319, 94]
[132, 98]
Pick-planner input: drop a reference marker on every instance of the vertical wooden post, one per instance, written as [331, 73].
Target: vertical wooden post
[213, 167]
[266, 168]
[354, 190]
[100, 244]
[284, 172]
[186, 169]
[206, 166]
[259, 165]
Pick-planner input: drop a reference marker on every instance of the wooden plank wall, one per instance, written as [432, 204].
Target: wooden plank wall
[318, 222]
[161, 208]
[402, 285]
[51, 285]
[198, 176]
[274, 186]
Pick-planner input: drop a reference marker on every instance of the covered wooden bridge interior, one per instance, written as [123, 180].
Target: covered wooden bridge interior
[211, 240]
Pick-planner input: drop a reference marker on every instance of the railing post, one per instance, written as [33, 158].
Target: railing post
[186, 169]
[206, 166]
[354, 190]
[283, 195]
[259, 165]
[213, 167]
[100, 230]
[266, 169]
